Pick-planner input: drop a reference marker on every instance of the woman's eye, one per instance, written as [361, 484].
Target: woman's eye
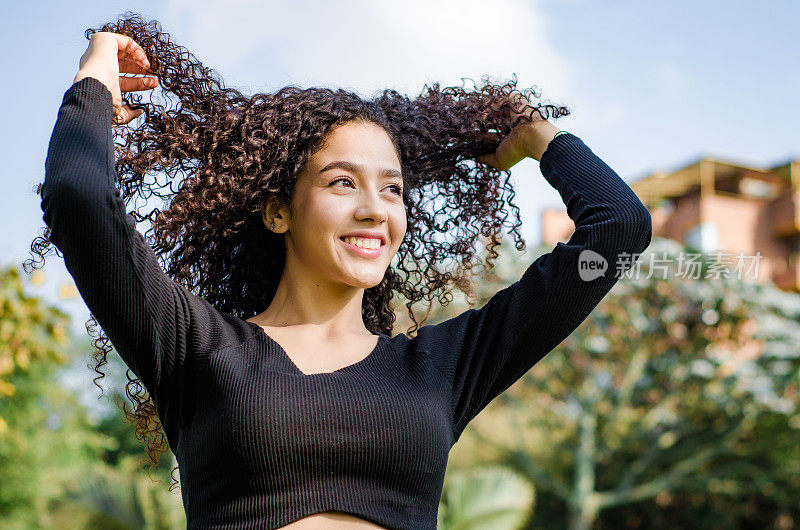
[399, 190]
[342, 178]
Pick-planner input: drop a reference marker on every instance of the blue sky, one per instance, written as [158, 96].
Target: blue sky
[651, 85]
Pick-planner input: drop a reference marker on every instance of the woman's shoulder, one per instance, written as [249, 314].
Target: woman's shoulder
[233, 332]
[437, 343]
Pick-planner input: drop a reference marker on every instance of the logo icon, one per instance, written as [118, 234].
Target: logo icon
[591, 265]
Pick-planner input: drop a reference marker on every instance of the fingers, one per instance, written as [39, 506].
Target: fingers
[488, 159]
[133, 60]
[130, 49]
[125, 114]
[502, 160]
[135, 84]
[129, 66]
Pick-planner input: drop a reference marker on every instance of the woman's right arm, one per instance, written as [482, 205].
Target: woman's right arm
[160, 329]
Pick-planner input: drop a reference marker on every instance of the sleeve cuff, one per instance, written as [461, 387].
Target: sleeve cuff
[94, 90]
[555, 148]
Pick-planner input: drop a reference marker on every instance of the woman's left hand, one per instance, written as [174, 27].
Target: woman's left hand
[527, 139]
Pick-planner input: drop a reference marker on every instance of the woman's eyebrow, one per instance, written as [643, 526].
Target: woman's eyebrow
[358, 168]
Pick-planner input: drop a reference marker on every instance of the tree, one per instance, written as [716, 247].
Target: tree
[46, 440]
[59, 467]
[117, 491]
[29, 333]
[674, 390]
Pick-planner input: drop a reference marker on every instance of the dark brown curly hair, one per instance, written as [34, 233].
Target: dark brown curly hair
[224, 153]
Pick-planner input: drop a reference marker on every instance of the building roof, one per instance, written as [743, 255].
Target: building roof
[668, 184]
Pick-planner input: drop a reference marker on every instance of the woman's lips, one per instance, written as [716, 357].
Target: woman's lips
[363, 252]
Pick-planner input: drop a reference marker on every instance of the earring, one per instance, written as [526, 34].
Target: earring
[272, 225]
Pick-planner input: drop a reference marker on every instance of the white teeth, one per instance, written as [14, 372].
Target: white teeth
[363, 242]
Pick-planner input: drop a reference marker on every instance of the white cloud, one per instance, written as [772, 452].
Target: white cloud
[367, 45]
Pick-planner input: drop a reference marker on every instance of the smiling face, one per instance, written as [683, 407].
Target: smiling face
[353, 184]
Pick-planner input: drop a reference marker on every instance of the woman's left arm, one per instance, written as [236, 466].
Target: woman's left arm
[483, 351]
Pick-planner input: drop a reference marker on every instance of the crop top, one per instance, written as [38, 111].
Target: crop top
[260, 444]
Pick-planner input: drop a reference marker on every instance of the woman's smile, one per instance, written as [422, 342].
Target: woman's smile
[365, 251]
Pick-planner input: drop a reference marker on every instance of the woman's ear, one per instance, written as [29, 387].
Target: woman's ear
[274, 214]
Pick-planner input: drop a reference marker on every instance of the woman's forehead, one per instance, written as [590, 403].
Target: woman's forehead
[357, 147]
[357, 133]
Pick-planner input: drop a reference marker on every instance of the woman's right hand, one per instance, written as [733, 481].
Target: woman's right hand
[109, 54]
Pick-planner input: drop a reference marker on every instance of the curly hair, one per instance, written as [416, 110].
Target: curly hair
[226, 153]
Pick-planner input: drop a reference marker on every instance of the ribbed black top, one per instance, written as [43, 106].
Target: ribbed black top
[259, 443]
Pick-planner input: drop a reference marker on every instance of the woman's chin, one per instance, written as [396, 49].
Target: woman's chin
[365, 280]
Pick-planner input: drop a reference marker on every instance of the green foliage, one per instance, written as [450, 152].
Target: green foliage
[59, 468]
[48, 440]
[123, 497]
[485, 497]
[29, 332]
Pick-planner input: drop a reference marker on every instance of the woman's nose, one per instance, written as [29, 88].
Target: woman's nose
[372, 206]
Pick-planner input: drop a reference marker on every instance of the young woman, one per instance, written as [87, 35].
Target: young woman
[265, 346]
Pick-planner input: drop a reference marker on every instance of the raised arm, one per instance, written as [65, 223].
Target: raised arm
[161, 330]
[484, 351]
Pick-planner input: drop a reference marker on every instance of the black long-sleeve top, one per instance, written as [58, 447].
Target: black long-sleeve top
[259, 443]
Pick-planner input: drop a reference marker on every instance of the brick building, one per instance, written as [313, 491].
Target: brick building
[713, 205]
